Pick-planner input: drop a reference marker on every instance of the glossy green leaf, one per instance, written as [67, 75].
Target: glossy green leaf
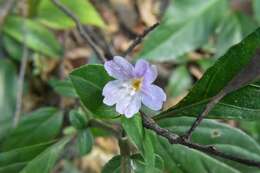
[14, 160]
[53, 17]
[89, 81]
[63, 87]
[77, 119]
[225, 138]
[113, 165]
[256, 6]
[233, 28]
[252, 128]
[134, 129]
[40, 126]
[149, 154]
[46, 160]
[183, 29]
[179, 159]
[84, 142]
[137, 163]
[240, 104]
[179, 82]
[141, 138]
[12, 47]
[8, 83]
[38, 38]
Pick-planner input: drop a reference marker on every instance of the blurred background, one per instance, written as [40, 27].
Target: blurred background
[40, 46]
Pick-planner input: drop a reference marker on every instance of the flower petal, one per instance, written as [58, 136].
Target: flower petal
[119, 68]
[129, 105]
[140, 68]
[153, 97]
[144, 69]
[112, 92]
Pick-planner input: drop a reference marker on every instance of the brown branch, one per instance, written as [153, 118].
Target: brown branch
[206, 111]
[140, 38]
[81, 30]
[175, 139]
[247, 75]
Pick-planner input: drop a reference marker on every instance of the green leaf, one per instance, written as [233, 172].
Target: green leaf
[252, 128]
[53, 17]
[77, 119]
[84, 142]
[38, 38]
[89, 81]
[183, 29]
[40, 126]
[149, 155]
[240, 104]
[233, 28]
[14, 160]
[180, 159]
[8, 83]
[137, 163]
[63, 87]
[141, 138]
[113, 165]
[45, 161]
[12, 47]
[179, 82]
[223, 137]
[134, 129]
[256, 6]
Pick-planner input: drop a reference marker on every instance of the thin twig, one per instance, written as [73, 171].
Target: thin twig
[206, 111]
[140, 38]
[19, 96]
[175, 139]
[249, 74]
[81, 30]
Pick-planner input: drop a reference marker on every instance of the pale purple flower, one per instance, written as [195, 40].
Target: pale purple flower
[132, 87]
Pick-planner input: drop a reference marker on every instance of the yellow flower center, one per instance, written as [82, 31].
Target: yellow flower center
[137, 84]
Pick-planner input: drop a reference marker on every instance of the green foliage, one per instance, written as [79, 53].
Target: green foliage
[241, 104]
[36, 36]
[191, 33]
[8, 83]
[84, 142]
[38, 127]
[256, 6]
[179, 82]
[46, 160]
[137, 162]
[222, 136]
[77, 119]
[233, 28]
[53, 17]
[134, 129]
[35, 132]
[141, 138]
[63, 87]
[183, 29]
[14, 160]
[89, 81]
[12, 47]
